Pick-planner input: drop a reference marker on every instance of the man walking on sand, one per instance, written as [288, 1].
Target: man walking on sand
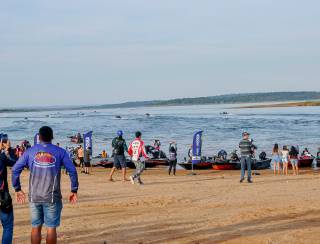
[136, 151]
[247, 149]
[44, 162]
[119, 146]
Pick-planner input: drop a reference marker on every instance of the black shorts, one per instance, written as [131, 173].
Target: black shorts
[120, 162]
[81, 161]
[87, 164]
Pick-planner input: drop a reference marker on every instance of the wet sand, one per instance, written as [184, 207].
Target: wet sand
[211, 207]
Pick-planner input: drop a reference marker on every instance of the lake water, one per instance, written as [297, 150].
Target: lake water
[289, 126]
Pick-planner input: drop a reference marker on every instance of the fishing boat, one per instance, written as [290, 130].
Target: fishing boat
[318, 162]
[203, 165]
[157, 158]
[306, 161]
[262, 164]
[107, 162]
[102, 162]
[226, 164]
[151, 163]
[223, 162]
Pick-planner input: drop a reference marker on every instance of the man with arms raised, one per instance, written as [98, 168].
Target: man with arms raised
[44, 162]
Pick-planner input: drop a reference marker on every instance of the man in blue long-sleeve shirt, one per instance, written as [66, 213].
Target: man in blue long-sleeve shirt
[45, 161]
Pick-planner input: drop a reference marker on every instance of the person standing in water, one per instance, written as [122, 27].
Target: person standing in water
[276, 160]
[119, 146]
[136, 151]
[44, 161]
[173, 152]
[247, 149]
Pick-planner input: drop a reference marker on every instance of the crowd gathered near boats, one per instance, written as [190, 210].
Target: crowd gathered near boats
[45, 162]
[280, 159]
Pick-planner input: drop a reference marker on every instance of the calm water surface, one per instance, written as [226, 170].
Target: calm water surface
[298, 126]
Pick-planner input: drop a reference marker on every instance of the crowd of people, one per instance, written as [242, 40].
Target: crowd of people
[281, 158]
[45, 162]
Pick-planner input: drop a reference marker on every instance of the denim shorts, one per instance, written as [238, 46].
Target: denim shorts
[294, 162]
[276, 159]
[48, 214]
[285, 160]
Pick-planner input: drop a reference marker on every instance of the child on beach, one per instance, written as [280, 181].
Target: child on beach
[276, 159]
[285, 160]
[293, 154]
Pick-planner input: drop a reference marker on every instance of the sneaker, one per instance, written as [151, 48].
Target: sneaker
[132, 180]
[241, 181]
[250, 181]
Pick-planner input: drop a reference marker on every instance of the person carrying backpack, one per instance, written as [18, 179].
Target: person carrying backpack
[119, 146]
[173, 152]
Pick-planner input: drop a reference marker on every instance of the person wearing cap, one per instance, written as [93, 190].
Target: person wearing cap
[119, 146]
[247, 150]
[44, 161]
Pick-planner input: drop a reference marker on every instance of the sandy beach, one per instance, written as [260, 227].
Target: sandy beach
[211, 207]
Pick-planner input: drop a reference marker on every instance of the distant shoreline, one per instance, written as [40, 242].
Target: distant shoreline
[285, 99]
[284, 105]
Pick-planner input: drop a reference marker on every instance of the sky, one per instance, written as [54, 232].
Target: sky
[76, 52]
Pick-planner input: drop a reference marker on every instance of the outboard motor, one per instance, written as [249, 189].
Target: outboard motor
[234, 156]
[263, 156]
[222, 154]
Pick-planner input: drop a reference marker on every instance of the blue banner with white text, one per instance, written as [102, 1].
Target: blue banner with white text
[87, 139]
[197, 147]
